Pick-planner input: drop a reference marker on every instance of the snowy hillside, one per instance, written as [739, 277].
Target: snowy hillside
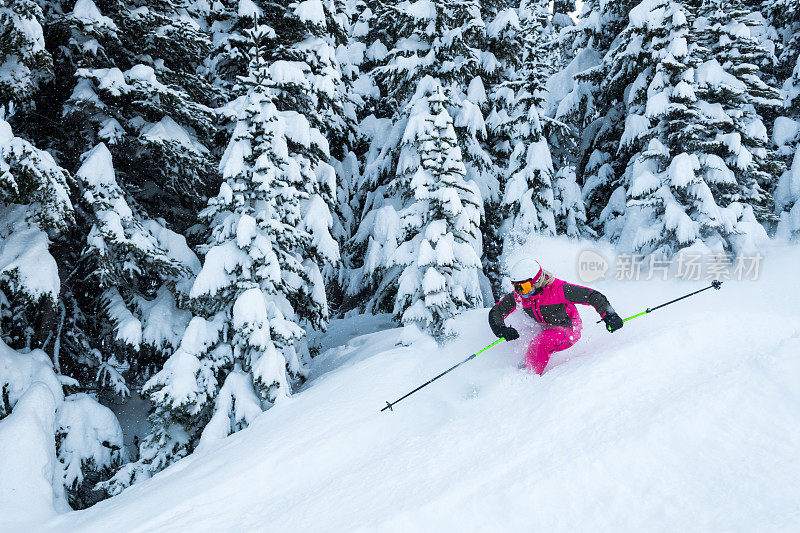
[192, 193]
[686, 419]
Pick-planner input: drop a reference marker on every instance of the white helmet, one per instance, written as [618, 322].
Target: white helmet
[526, 269]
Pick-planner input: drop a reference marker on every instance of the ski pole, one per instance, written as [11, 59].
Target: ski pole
[715, 284]
[473, 356]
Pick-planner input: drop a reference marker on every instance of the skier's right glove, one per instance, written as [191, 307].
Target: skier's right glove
[613, 321]
[508, 333]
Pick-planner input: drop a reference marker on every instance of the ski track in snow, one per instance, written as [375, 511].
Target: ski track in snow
[686, 419]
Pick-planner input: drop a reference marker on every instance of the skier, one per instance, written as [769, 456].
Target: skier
[551, 302]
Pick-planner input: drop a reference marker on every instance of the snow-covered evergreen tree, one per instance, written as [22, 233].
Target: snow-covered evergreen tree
[313, 71]
[34, 209]
[137, 89]
[141, 267]
[527, 193]
[600, 23]
[737, 104]
[438, 38]
[791, 91]
[269, 223]
[678, 155]
[568, 207]
[24, 62]
[83, 438]
[504, 41]
[597, 115]
[441, 40]
[547, 77]
[787, 193]
[437, 259]
[785, 16]
[668, 205]
[135, 128]
[261, 280]
[786, 136]
[29, 176]
[302, 41]
[348, 159]
[182, 395]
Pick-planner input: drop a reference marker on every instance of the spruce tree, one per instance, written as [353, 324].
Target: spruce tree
[598, 115]
[130, 103]
[261, 283]
[312, 75]
[137, 89]
[737, 106]
[600, 24]
[448, 41]
[35, 211]
[669, 205]
[35, 201]
[787, 193]
[568, 207]
[527, 197]
[140, 268]
[24, 62]
[504, 43]
[441, 40]
[437, 254]
[270, 208]
[35, 208]
[785, 16]
[680, 142]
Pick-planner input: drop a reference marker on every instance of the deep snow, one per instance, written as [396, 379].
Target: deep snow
[686, 419]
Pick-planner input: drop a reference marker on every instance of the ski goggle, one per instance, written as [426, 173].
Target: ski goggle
[523, 287]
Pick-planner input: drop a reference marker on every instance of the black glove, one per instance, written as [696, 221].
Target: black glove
[613, 321]
[508, 333]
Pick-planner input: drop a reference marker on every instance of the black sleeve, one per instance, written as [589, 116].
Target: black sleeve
[587, 296]
[498, 313]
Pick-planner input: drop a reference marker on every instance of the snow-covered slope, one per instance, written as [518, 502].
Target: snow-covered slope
[686, 419]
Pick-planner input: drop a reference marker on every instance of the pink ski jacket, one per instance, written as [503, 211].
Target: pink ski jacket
[553, 306]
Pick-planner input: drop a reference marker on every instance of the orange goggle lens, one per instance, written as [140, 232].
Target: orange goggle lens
[523, 287]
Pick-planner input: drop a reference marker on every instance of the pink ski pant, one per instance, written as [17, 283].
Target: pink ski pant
[552, 339]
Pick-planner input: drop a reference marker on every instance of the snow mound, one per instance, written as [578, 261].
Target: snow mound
[89, 432]
[25, 258]
[28, 461]
[87, 12]
[19, 371]
[169, 130]
[311, 11]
